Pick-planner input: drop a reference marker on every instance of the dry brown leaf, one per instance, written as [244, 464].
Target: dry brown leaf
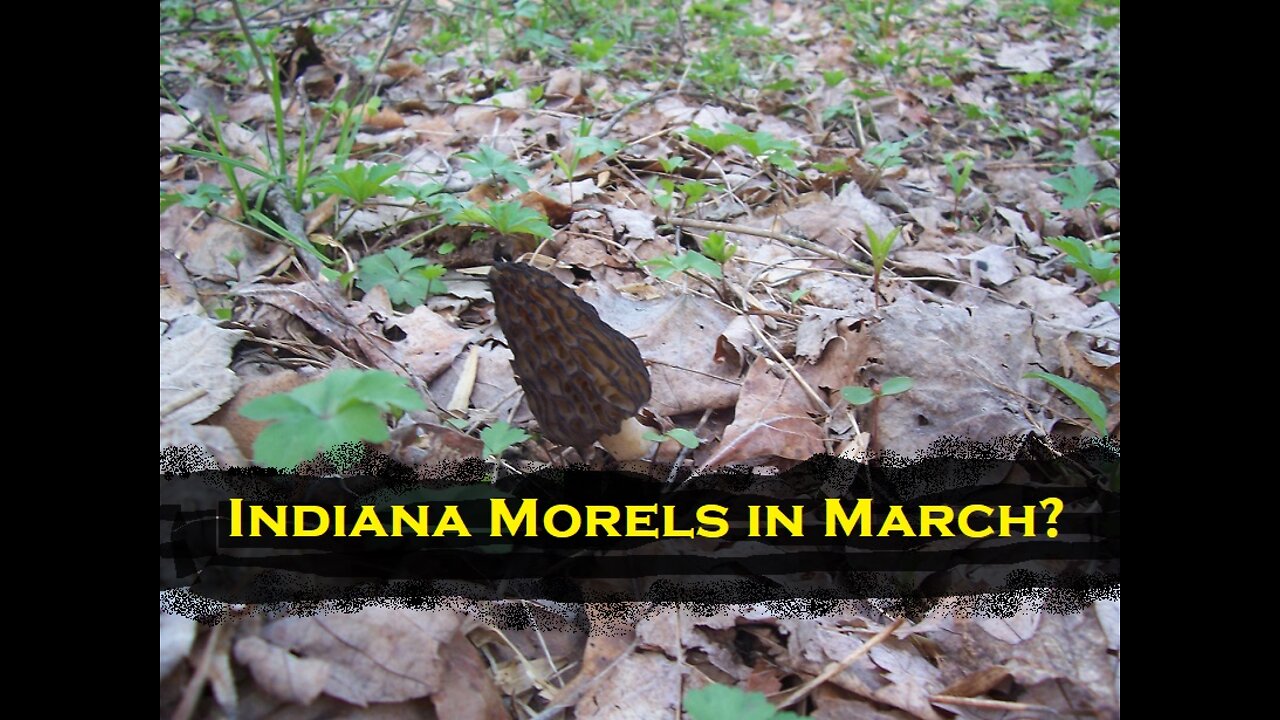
[470, 691]
[285, 675]
[375, 655]
[216, 440]
[204, 252]
[424, 342]
[967, 363]
[195, 379]
[642, 686]
[771, 420]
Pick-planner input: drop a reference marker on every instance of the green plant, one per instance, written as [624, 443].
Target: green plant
[879, 247]
[1086, 398]
[204, 195]
[1100, 264]
[408, 279]
[346, 406]
[721, 702]
[593, 51]
[667, 265]
[680, 435]
[862, 395]
[671, 164]
[508, 218]
[584, 146]
[357, 183]
[760, 145]
[718, 248]
[500, 436]
[958, 174]
[486, 164]
[1077, 188]
[888, 155]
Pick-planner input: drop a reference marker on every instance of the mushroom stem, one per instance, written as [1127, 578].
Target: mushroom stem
[628, 443]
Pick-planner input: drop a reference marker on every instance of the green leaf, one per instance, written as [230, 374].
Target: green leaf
[710, 139]
[693, 191]
[358, 182]
[684, 437]
[667, 265]
[672, 164]
[1076, 186]
[408, 279]
[857, 395]
[344, 407]
[508, 218]
[488, 163]
[500, 436]
[1112, 296]
[1086, 398]
[896, 385]
[718, 248]
[721, 702]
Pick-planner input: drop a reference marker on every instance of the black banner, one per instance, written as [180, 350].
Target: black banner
[981, 520]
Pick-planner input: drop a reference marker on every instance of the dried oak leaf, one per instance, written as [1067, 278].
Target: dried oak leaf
[582, 378]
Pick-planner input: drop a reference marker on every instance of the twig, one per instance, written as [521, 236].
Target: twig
[835, 669]
[781, 237]
[685, 450]
[191, 694]
[573, 692]
[391, 36]
[987, 704]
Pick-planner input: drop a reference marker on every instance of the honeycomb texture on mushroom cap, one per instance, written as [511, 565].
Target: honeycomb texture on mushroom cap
[582, 377]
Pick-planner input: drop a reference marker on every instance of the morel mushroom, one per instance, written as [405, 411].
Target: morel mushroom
[583, 379]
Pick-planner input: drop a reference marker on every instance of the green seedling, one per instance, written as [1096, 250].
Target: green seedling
[879, 247]
[500, 436]
[958, 173]
[667, 265]
[357, 183]
[718, 248]
[685, 437]
[671, 164]
[1077, 188]
[862, 395]
[508, 218]
[593, 51]
[1086, 398]
[1101, 264]
[346, 406]
[585, 145]
[832, 78]
[408, 279]
[487, 164]
[721, 702]
[762, 146]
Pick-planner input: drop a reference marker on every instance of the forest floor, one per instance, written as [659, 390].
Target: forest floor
[841, 227]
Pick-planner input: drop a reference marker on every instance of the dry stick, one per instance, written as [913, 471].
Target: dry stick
[835, 669]
[782, 237]
[191, 694]
[986, 704]
[391, 36]
[572, 693]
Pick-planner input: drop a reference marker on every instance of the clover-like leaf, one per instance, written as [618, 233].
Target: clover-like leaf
[344, 407]
[408, 279]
